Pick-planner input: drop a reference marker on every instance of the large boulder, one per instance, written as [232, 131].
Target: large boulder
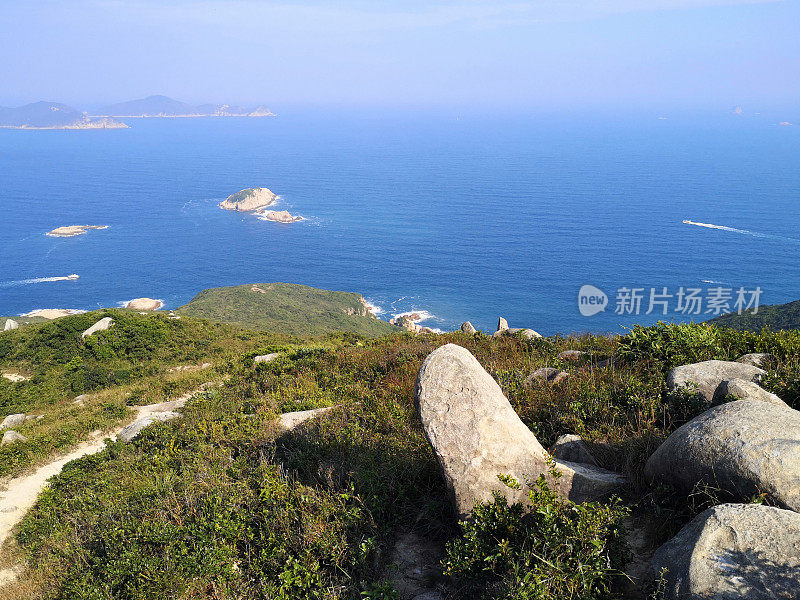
[706, 376]
[144, 304]
[11, 437]
[502, 324]
[745, 390]
[732, 551]
[101, 325]
[468, 328]
[10, 324]
[135, 428]
[743, 447]
[476, 436]
[13, 421]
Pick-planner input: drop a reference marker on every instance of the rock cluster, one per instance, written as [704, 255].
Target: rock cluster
[744, 447]
[504, 329]
[703, 378]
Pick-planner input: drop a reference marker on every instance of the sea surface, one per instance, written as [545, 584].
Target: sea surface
[461, 216]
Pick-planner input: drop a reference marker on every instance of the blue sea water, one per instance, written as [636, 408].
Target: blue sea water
[465, 218]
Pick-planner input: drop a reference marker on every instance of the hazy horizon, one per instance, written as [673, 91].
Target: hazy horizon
[460, 54]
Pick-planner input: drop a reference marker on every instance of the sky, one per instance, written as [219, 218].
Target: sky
[465, 54]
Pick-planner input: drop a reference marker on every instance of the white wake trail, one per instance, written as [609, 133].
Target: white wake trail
[37, 280]
[742, 231]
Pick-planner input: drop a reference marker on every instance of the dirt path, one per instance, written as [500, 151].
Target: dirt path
[21, 493]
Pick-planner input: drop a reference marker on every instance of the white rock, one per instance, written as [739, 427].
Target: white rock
[10, 324]
[290, 420]
[266, 358]
[13, 421]
[10, 437]
[101, 325]
[135, 428]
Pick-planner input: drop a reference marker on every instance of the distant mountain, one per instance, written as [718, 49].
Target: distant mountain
[776, 316]
[52, 115]
[163, 106]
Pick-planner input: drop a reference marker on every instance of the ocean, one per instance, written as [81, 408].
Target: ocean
[465, 217]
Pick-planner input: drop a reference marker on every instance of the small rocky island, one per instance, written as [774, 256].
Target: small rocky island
[249, 200]
[73, 230]
[279, 216]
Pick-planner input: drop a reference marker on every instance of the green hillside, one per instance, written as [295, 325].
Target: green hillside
[220, 504]
[776, 317]
[287, 308]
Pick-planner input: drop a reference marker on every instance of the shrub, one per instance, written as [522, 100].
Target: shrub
[557, 549]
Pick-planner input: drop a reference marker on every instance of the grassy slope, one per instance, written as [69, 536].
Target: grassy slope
[775, 316]
[218, 505]
[285, 308]
[127, 364]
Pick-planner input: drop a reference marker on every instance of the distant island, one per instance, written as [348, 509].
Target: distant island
[279, 216]
[53, 115]
[249, 200]
[166, 107]
[73, 230]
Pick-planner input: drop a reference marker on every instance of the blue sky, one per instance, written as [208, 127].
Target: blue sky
[485, 55]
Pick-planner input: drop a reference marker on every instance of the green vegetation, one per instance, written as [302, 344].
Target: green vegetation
[241, 195]
[220, 504]
[124, 365]
[557, 549]
[775, 316]
[287, 308]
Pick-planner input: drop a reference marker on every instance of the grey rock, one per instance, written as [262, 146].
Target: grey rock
[530, 334]
[476, 436]
[758, 359]
[745, 390]
[13, 421]
[101, 325]
[10, 324]
[562, 376]
[545, 373]
[290, 420]
[79, 399]
[468, 328]
[135, 428]
[733, 552]
[572, 448]
[573, 355]
[706, 376]
[11, 436]
[502, 324]
[265, 358]
[743, 447]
